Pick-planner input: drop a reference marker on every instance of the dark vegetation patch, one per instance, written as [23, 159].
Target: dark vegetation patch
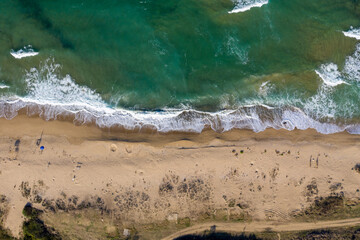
[194, 188]
[73, 203]
[3, 205]
[84, 205]
[335, 186]
[4, 234]
[25, 189]
[324, 206]
[324, 234]
[321, 234]
[165, 187]
[168, 185]
[88, 223]
[37, 199]
[60, 204]
[357, 167]
[49, 205]
[131, 200]
[311, 189]
[218, 236]
[334, 206]
[34, 228]
[198, 190]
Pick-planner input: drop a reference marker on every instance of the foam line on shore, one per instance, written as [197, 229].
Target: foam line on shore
[51, 96]
[256, 118]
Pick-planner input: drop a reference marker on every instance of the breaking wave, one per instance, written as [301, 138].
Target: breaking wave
[245, 5]
[322, 104]
[330, 74]
[3, 86]
[353, 33]
[26, 51]
[257, 118]
[52, 97]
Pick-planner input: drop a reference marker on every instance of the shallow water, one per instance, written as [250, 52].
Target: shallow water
[243, 64]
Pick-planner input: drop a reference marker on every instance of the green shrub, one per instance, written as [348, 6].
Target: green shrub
[34, 228]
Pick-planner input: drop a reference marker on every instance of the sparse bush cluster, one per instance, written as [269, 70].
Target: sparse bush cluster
[328, 204]
[357, 167]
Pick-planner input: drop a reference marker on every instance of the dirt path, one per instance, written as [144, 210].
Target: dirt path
[264, 226]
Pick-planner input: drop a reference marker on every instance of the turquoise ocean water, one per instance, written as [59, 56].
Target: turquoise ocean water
[183, 65]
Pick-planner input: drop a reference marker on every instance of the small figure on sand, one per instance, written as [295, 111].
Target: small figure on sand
[42, 148]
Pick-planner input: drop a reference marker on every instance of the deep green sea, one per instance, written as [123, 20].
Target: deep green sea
[183, 65]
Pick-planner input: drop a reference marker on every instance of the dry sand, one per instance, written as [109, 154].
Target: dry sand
[148, 177]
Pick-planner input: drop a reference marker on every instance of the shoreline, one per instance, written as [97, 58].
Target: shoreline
[34, 125]
[257, 118]
[144, 178]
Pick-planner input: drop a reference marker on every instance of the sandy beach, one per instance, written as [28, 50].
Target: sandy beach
[136, 179]
[179, 120]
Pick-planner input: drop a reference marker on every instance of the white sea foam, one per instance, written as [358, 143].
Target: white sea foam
[26, 51]
[245, 5]
[265, 88]
[352, 65]
[44, 84]
[353, 33]
[247, 117]
[322, 104]
[3, 86]
[52, 97]
[330, 74]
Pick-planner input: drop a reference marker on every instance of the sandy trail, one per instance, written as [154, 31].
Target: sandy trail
[265, 226]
